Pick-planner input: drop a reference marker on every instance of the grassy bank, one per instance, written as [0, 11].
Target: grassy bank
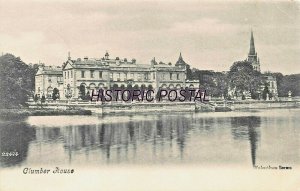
[19, 113]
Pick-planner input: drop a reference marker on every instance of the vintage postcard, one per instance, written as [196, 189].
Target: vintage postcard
[151, 95]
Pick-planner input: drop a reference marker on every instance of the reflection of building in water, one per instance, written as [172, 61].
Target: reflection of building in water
[48, 134]
[247, 128]
[114, 138]
[15, 137]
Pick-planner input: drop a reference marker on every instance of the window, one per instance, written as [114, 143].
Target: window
[65, 75]
[71, 74]
[82, 74]
[92, 73]
[153, 76]
[177, 76]
[100, 74]
[68, 74]
[170, 76]
[49, 79]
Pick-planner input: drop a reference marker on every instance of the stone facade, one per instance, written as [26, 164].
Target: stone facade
[271, 82]
[46, 79]
[106, 73]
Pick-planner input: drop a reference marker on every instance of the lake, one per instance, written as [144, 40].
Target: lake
[242, 138]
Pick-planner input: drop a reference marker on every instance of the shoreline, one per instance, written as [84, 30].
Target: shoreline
[89, 108]
[24, 112]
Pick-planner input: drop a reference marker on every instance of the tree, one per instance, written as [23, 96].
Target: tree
[189, 73]
[55, 94]
[16, 81]
[290, 83]
[215, 83]
[265, 92]
[88, 97]
[243, 78]
[221, 84]
[286, 83]
[43, 99]
[82, 92]
[68, 92]
[35, 98]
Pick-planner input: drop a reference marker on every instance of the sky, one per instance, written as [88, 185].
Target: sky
[211, 35]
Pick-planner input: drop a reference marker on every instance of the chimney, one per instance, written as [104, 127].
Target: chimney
[133, 61]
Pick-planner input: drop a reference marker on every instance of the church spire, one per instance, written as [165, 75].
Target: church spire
[252, 56]
[252, 46]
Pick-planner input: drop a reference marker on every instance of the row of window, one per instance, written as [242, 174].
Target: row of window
[145, 76]
[117, 75]
[92, 74]
[139, 76]
[68, 74]
[171, 77]
[272, 84]
[59, 79]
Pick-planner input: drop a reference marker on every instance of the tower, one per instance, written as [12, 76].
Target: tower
[180, 61]
[252, 55]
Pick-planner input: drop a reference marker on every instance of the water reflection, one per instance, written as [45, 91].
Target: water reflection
[121, 135]
[144, 139]
[247, 128]
[15, 137]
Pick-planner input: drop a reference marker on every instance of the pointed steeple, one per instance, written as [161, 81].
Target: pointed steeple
[252, 46]
[252, 56]
[180, 61]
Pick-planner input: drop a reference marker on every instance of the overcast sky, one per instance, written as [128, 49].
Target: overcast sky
[210, 35]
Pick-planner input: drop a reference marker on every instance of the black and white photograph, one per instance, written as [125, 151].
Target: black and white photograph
[150, 95]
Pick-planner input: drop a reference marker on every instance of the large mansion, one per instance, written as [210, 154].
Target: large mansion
[106, 73]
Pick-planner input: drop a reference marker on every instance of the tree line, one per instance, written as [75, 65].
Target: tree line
[243, 78]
